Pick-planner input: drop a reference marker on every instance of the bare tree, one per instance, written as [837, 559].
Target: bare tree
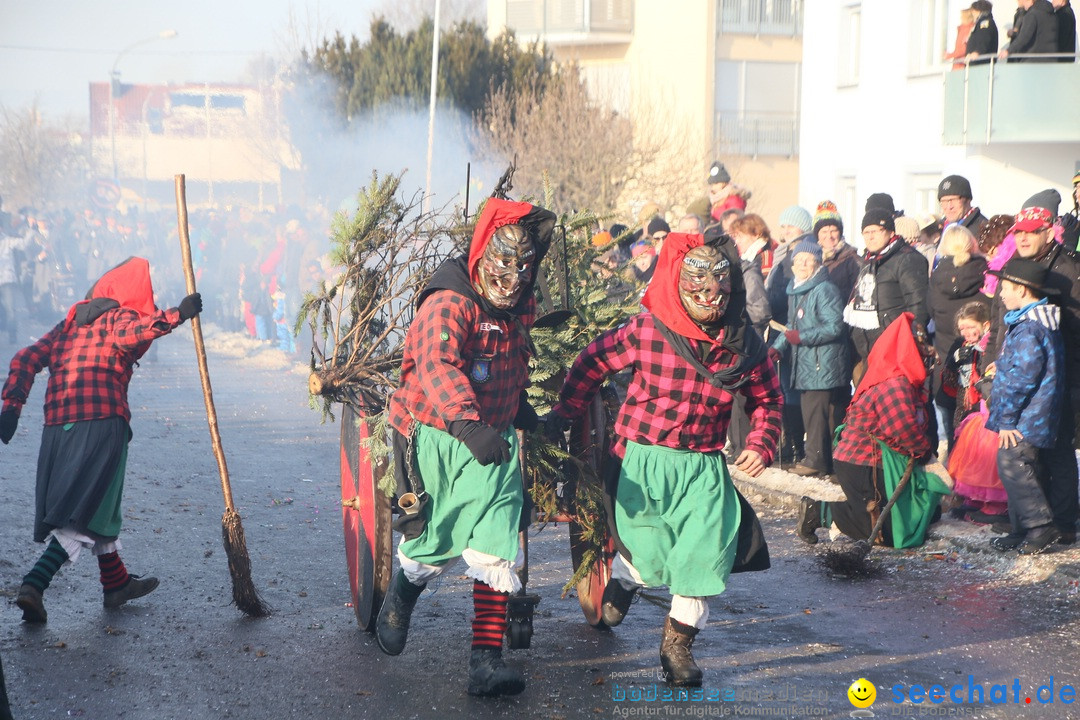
[43, 163]
[582, 150]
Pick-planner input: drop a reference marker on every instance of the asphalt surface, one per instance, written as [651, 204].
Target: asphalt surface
[782, 643]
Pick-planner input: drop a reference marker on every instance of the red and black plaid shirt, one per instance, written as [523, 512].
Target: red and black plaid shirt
[893, 411]
[461, 364]
[668, 403]
[90, 366]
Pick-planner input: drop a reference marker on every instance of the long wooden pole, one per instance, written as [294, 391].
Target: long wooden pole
[244, 594]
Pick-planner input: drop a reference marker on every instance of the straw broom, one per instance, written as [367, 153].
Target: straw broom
[856, 560]
[245, 596]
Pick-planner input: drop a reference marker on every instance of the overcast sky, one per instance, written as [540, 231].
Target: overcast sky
[52, 49]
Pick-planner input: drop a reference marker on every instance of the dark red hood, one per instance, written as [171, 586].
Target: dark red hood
[537, 221]
[894, 353]
[662, 296]
[128, 284]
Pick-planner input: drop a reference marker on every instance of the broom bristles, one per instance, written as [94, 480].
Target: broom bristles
[245, 596]
[851, 562]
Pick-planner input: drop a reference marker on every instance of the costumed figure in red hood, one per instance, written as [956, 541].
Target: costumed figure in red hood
[460, 398]
[887, 424]
[678, 519]
[90, 355]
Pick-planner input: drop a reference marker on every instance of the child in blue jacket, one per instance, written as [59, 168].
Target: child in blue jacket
[1025, 403]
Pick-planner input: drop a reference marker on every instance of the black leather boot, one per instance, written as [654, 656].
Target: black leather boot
[392, 627]
[489, 675]
[616, 602]
[809, 520]
[675, 656]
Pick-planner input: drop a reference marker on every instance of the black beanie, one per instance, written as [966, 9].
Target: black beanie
[879, 216]
[881, 200]
[656, 225]
[827, 221]
[1047, 199]
[954, 185]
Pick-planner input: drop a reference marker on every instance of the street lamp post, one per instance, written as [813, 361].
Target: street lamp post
[114, 84]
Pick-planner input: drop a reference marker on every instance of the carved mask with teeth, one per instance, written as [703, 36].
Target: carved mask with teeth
[705, 285]
[506, 267]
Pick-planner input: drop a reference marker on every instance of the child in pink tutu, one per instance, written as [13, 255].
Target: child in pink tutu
[973, 460]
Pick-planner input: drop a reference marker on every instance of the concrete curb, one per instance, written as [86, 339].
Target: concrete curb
[780, 489]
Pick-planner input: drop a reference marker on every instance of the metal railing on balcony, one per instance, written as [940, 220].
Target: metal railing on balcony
[761, 17]
[554, 17]
[757, 134]
[991, 101]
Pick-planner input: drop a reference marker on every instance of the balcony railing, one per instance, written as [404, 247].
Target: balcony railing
[758, 134]
[998, 102]
[761, 17]
[594, 19]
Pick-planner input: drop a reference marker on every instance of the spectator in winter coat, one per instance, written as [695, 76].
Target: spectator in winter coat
[1038, 33]
[956, 280]
[893, 280]
[819, 359]
[1066, 22]
[982, 44]
[752, 238]
[1026, 402]
[954, 196]
[839, 258]
[963, 32]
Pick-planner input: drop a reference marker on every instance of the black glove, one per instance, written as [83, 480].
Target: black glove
[483, 441]
[190, 306]
[555, 426]
[526, 418]
[9, 420]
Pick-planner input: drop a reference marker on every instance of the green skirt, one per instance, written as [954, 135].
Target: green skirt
[677, 513]
[471, 505]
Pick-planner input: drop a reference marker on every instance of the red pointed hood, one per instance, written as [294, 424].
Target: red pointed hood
[538, 221]
[894, 353]
[662, 296]
[128, 284]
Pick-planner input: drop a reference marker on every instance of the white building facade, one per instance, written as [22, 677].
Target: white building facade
[882, 111]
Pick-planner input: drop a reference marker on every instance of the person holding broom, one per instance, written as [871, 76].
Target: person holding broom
[460, 397]
[678, 519]
[90, 355]
[885, 438]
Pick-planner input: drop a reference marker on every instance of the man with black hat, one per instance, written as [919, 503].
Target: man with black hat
[894, 279]
[1034, 235]
[1026, 402]
[954, 196]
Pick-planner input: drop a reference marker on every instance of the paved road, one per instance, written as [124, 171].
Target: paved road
[787, 642]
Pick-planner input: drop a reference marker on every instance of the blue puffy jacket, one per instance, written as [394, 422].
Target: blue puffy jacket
[1030, 378]
[820, 360]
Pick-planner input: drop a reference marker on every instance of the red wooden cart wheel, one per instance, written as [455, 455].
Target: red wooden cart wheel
[366, 519]
[589, 442]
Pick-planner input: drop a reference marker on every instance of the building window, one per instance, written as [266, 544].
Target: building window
[609, 85]
[761, 17]
[757, 108]
[928, 32]
[848, 204]
[849, 50]
[924, 192]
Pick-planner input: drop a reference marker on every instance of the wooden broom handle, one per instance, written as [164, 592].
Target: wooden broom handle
[200, 347]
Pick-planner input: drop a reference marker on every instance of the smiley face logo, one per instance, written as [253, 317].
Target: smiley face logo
[861, 693]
